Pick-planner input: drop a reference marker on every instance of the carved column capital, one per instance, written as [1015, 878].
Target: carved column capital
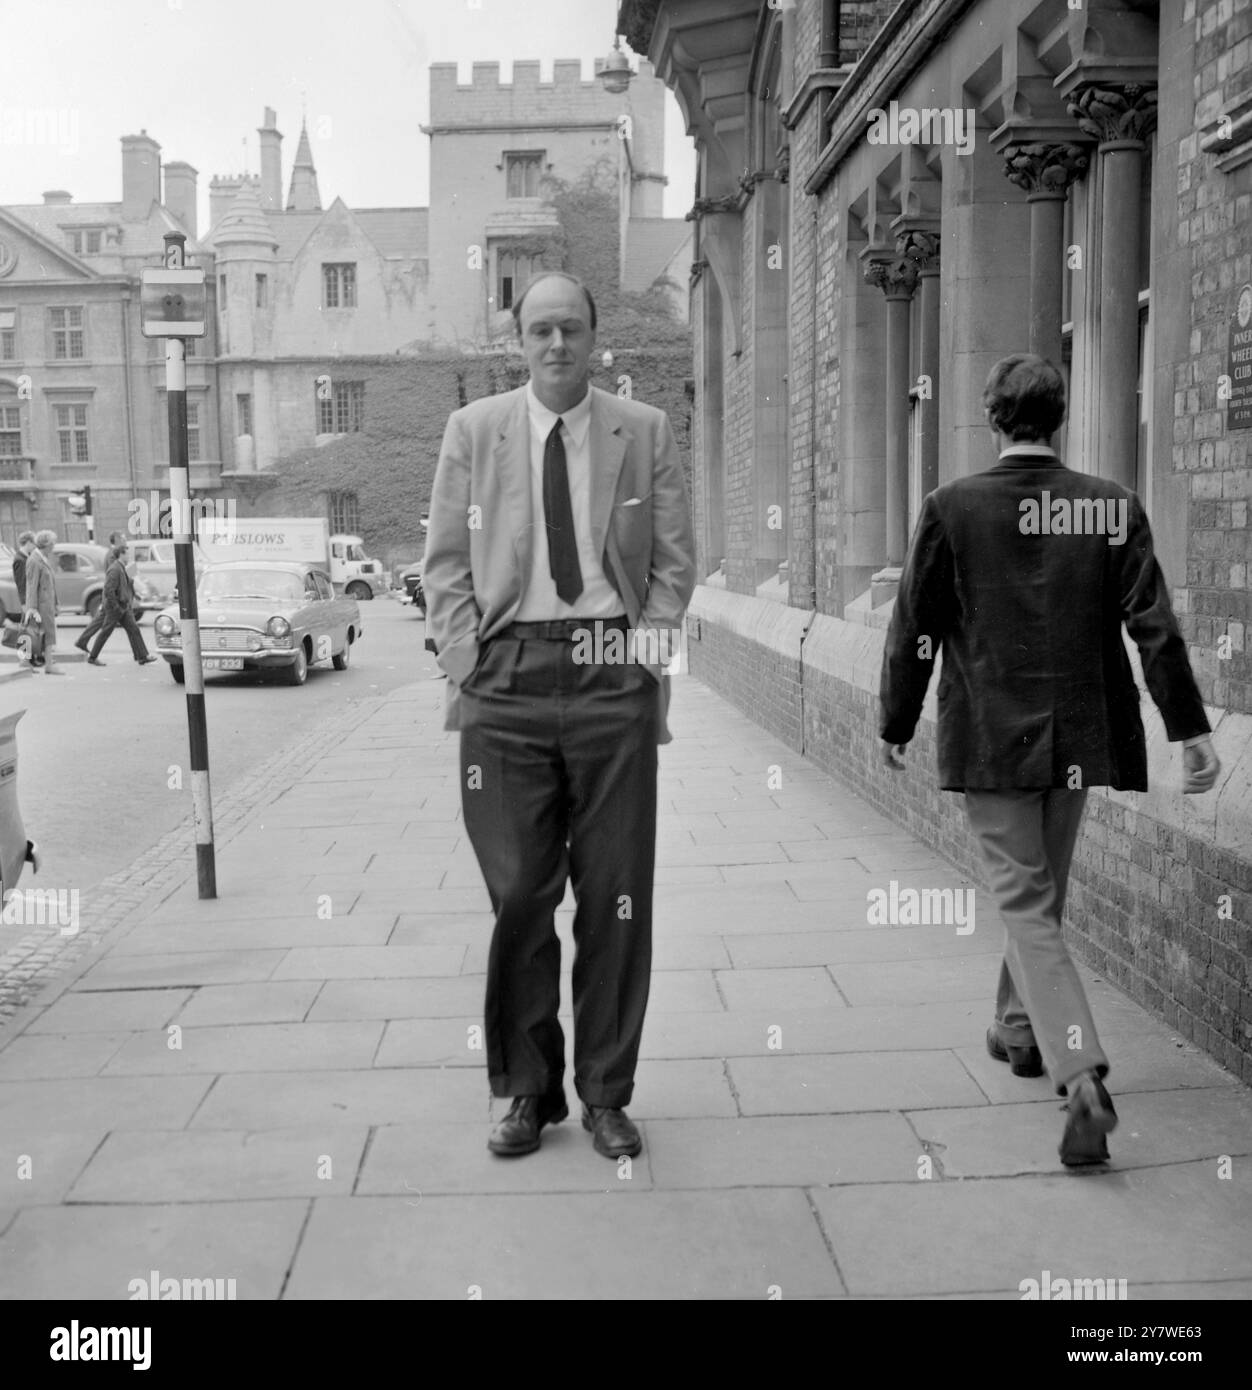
[1115, 114]
[1045, 170]
[922, 248]
[896, 276]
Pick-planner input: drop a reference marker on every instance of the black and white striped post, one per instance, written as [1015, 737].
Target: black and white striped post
[173, 307]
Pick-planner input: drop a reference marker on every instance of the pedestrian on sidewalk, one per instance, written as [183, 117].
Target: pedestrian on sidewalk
[118, 610]
[1024, 575]
[25, 544]
[556, 508]
[86, 636]
[40, 604]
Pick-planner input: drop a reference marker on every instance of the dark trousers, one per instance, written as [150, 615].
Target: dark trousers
[558, 767]
[124, 620]
[83, 639]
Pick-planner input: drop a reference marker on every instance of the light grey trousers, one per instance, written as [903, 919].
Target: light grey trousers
[1027, 836]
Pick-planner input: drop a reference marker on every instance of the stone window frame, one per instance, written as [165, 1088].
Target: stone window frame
[9, 347]
[520, 160]
[75, 333]
[339, 282]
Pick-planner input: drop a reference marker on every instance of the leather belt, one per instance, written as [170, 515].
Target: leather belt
[564, 629]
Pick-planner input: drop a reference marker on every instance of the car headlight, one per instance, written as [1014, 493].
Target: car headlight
[165, 626]
[278, 627]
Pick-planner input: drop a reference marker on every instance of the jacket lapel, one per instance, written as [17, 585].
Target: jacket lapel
[608, 449]
[512, 465]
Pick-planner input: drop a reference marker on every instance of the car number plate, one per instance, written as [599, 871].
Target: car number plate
[223, 663]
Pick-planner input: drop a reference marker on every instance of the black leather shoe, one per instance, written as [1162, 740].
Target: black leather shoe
[1025, 1061]
[518, 1132]
[91, 661]
[147, 661]
[613, 1133]
[1091, 1117]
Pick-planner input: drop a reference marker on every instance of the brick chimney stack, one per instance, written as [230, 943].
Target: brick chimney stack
[271, 162]
[141, 175]
[180, 194]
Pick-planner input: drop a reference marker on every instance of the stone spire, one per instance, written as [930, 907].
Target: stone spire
[303, 196]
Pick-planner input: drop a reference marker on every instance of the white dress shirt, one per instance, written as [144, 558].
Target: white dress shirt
[540, 601]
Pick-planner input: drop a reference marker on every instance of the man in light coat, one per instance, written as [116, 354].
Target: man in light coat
[558, 521]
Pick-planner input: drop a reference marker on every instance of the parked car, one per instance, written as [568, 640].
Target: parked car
[260, 615]
[78, 568]
[152, 560]
[411, 578]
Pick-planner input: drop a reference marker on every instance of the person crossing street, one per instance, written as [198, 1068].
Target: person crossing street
[118, 610]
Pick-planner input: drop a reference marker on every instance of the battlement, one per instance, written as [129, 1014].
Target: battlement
[487, 100]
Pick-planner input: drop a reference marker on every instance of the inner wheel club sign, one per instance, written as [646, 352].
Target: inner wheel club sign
[1239, 409]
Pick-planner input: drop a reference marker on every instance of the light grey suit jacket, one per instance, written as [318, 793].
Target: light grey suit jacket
[479, 536]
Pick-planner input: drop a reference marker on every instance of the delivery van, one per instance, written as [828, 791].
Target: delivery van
[303, 538]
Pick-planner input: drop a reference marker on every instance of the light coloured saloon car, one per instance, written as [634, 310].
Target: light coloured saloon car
[264, 615]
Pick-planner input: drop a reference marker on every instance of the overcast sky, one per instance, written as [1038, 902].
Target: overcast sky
[196, 74]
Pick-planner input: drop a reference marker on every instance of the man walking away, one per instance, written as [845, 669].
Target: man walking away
[1037, 702]
[117, 608]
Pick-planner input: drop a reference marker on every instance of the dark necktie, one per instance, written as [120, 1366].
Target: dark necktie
[559, 517]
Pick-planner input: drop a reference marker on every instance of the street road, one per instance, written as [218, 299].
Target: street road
[96, 745]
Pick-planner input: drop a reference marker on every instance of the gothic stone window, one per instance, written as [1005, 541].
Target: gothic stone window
[84, 241]
[344, 413]
[523, 170]
[243, 412]
[193, 431]
[339, 286]
[8, 335]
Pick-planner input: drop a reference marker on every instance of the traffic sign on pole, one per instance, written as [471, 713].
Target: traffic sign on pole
[171, 306]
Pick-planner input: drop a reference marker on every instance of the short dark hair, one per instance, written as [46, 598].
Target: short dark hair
[1025, 397]
[551, 275]
[26, 536]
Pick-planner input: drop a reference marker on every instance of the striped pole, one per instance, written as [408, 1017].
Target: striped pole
[188, 612]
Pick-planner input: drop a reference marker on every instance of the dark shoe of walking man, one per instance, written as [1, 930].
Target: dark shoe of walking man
[559, 509]
[118, 610]
[1024, 575]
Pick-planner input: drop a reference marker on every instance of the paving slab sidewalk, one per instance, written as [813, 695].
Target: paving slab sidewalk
[285, 1087]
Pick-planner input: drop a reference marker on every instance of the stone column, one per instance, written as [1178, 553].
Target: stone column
[897, 277]
[1045, 171]
[1120, 118]
[922, 248]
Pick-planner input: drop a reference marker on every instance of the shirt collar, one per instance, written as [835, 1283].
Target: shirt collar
[1014, 450]
[576, 420]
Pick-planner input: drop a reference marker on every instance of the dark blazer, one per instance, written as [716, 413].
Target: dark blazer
[1035, 680]
[119, 592]
[19, 576]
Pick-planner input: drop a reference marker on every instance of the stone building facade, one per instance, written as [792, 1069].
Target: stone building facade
[893, 196]
[299, 293]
